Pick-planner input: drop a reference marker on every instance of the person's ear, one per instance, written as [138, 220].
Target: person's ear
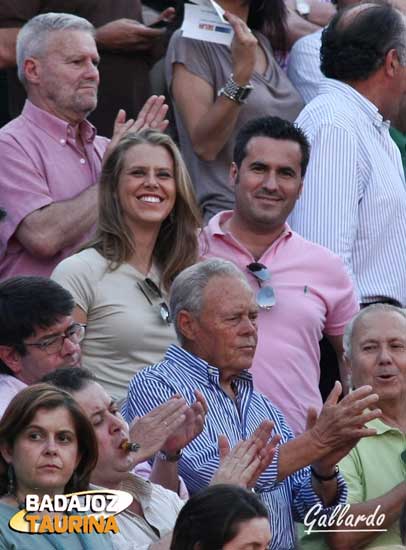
[391, 62]
[187, 325]
[233, 175]
[11, 358]
[6, 452]
[347, 365]
[32, 70]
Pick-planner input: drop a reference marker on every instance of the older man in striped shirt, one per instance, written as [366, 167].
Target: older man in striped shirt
[354, 198]
[215, 315]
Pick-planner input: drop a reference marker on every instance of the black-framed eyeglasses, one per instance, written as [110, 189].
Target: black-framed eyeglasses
[54, 344]
[149, 287]
[265, 296]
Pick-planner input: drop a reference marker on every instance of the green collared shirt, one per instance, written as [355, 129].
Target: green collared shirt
[371, 469]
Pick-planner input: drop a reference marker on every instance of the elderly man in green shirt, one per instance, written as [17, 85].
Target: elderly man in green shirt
[375, 469]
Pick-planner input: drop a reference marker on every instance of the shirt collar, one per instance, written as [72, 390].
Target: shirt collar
[199, 368]
[380, 426]
[55, 127]
[139, 488]
[330, 85]
[216, 224]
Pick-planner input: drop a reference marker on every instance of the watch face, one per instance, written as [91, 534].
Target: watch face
[243, 94]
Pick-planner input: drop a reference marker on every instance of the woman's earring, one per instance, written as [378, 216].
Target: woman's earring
[11, 488]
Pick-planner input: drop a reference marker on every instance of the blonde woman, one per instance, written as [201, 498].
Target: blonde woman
[146, 235]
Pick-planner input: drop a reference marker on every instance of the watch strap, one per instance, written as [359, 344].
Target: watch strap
[325, 478]
[234, 91]
[168, 457]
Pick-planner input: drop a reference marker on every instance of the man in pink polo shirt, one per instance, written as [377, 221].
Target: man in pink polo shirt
[302, 288]
[50, 155]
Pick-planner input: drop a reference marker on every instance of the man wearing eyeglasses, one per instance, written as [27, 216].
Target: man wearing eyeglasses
[37, 333]
[39, 336]
[302, 289]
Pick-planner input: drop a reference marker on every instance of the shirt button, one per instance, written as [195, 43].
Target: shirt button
[62, 141]
[82, 161]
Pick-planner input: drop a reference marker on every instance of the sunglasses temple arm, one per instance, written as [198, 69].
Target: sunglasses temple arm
[145, 294]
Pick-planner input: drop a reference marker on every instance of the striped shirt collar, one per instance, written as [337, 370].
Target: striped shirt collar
[199, 369]
[332, 86]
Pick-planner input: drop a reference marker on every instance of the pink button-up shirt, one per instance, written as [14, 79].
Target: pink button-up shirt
[40, 164]
[314, 295]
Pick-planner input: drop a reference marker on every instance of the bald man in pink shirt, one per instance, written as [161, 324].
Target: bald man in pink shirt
[303, 290]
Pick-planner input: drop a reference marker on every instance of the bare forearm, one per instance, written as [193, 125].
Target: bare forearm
[166, 474]
[326, 491]
[297, 27]
[390, 507]
[8, 47]
[50, 229]
[296, 454]
[215, 129]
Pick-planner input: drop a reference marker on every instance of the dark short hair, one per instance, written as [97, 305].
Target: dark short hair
[212, 516]
[353, 47]
[20, 412]
[69, 379]
[271, 127]
[27, 304]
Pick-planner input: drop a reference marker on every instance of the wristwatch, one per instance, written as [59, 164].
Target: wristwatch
[235, 92]
[170, 458]
[302, 8]
[325, 478]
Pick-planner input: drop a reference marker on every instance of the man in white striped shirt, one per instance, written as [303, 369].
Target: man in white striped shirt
[354, 199]
[304, 60]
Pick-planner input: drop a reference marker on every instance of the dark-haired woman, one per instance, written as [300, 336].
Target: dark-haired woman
[222, 517]
[47, 447]
[210, 86]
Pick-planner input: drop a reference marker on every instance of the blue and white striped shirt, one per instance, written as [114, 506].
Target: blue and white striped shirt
[354, 195]
[182, 372]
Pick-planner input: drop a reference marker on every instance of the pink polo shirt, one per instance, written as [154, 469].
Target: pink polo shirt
[9, 387]
[41, 164]
[314, 295]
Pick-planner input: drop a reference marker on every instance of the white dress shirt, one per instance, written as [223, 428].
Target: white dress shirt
[304, 65]
[354, 195]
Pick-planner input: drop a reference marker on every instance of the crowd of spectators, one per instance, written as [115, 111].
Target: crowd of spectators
[194, 236]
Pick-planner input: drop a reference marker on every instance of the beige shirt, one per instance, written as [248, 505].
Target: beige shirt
[125, 333]
[160, 506]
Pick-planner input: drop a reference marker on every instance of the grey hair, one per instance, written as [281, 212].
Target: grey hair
[374, 308]
[33, 37]
[188, 287]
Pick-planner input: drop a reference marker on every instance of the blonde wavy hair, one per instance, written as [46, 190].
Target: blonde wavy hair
[176, 247]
